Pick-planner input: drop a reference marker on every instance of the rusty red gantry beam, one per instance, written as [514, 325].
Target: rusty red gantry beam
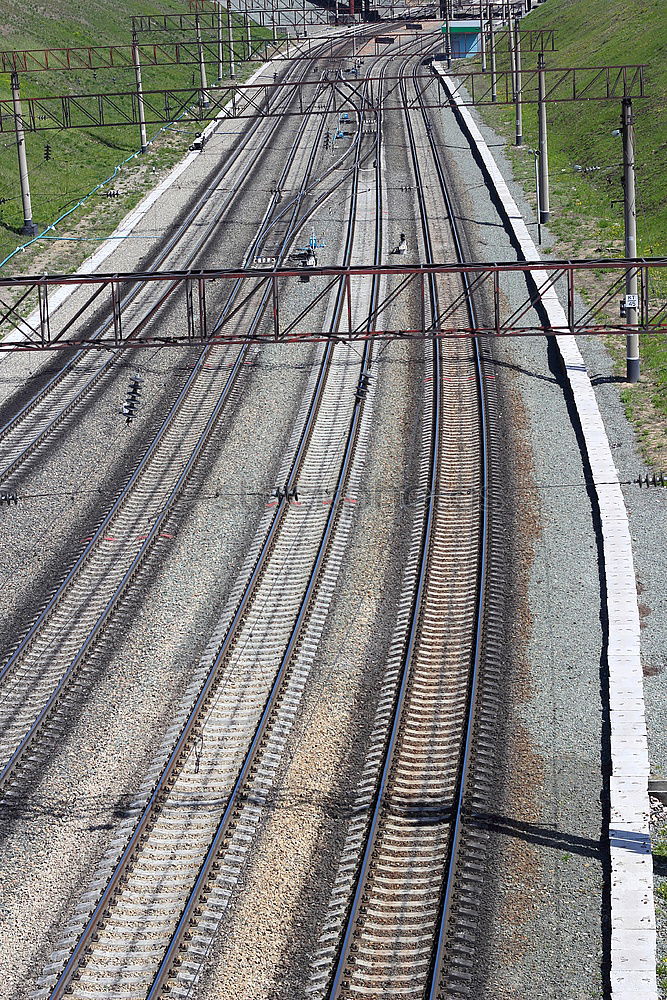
[208, 20]
[100, 57]
[271, 100]
[532, 39]
[198, 299]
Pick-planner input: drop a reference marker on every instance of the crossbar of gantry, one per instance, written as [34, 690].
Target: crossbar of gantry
[271, 100]
[532, 39]
[208, 20]
[202, 320]
[99, 57]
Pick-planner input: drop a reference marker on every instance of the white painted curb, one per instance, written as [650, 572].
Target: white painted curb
[633, 936]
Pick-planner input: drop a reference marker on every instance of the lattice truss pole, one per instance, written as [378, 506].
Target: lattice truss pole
[199, 301]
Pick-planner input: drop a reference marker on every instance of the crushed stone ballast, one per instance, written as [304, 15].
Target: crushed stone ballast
[633, 934]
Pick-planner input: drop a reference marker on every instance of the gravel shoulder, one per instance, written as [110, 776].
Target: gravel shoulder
[647, 512]
[548, 870]
[58, 829]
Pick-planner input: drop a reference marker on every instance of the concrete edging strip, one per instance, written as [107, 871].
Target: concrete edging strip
[633, 934]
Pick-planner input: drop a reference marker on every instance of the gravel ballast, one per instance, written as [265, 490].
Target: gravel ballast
[555, 744]
[543, 925]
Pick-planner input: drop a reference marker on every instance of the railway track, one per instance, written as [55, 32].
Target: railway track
[45, 412]
[170, 870]
[396, 924]
[39, 673]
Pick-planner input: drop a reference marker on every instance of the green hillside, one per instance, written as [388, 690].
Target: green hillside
[595, 33]
[587, 210]
[82, 158]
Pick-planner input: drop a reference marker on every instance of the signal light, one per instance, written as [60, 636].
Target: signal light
[132, 399]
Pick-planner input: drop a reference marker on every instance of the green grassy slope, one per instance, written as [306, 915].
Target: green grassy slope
[587, 211]
[613, 32]
[81, 158]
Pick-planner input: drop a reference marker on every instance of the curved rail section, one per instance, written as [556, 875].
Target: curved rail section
[631, 904]
[42, 415]
[392, 907]
[39, 672]
[185, 841]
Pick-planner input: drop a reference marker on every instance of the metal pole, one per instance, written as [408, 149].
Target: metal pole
[482, 41]
[221, 60]
[202, 66]
[247, 34]
[542, 139]
[536, 155]
[140, 93]
[630, 216]
[29, 228]
[448, 37]
[518, 89]
[492, 47]
[230, 35]
[510, 46]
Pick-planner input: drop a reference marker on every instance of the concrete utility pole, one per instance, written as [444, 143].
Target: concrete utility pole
[518, 86]
[29, 228]
[448, 37]
[630, 215]
[202, 66]
[230, 35]
[247, 34]
[482, 40]
[221, 56]
[542, 139]
[140, 93]
[492, 48]
[510, 46]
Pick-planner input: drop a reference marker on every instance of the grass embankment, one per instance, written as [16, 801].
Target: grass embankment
[587, 210]
[82, 158]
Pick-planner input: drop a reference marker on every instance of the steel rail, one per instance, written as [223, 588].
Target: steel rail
[187, 914]
[155, 800]
[201, 203]
[336, 987]
[260, 733]
[126, 495]
[467, 748]
[337, 984]
[25, 642]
